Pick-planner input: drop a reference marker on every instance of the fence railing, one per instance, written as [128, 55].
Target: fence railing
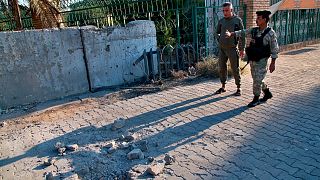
[294, 26]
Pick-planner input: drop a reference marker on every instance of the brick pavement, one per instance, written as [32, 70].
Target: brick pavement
[211, 136]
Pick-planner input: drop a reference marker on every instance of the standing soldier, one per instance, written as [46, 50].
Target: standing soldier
[228, 47]
[263, 44]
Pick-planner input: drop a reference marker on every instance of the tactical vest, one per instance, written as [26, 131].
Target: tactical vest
[257, 50]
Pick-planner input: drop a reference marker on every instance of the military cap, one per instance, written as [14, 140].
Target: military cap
[263, 13]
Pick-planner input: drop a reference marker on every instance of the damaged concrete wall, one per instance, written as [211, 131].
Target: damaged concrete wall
[111, 52]
[40, 65]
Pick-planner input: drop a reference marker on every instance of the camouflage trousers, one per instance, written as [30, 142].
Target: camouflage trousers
[258, 73]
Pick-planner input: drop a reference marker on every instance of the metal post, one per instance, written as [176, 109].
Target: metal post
[286, 33]
[178, 26]
[206, 31]
[195, 31]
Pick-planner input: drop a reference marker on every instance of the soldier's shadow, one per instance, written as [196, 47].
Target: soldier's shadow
[167, 139]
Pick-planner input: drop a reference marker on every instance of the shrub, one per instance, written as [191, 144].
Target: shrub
[210, 67]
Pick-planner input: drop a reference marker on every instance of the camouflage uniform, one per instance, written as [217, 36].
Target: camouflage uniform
[259, 68]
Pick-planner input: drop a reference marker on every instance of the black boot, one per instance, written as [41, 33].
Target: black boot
[267, 95]
[254, 102]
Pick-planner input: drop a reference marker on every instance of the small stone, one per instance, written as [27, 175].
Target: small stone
[135, 154]
[131, 174]
[124, 145]
[139, 169]
[192, 71]
[110, 144]
[130, 137]
[156, 168]
[61, 151]
[72, 147]
[49, 162]
[69, 176]
[3, 124]
[150, 159]
[59, 145]
[49, 176]
[112, 150]
[169, 159]
[117, 124]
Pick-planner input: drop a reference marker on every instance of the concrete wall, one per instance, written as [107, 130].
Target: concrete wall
[40, 65]
[113, 50]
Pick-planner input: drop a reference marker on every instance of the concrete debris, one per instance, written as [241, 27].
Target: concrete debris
[150, 159]
[72, 147]
[124, 145]
[169, 159]
[131, 137]
[49, 162]
[135, 154]
[59, 145]
[112, 150]
[62, 151]
[117, 124]
[3, 124]
[110, 144]
[156, 168]
[49, 176]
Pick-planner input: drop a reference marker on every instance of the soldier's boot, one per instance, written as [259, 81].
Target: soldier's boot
[267, 95]
[254, 102]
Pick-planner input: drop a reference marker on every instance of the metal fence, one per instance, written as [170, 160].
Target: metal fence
[294, 26]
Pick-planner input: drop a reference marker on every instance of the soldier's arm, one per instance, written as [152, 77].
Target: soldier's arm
[242, 39]
[240, 33]
[274, 47]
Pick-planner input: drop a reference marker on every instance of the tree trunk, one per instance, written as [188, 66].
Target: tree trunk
[16, 14]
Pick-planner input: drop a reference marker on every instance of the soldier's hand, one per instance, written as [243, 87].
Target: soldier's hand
[228, 34]
[241, 53]
[272, 67]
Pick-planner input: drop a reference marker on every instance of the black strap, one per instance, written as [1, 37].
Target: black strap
[255, 32]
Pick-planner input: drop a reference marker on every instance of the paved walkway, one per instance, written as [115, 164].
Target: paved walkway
[210, 136]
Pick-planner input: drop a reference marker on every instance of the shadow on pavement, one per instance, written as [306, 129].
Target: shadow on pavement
[300, 51]
[283, 145]
[101, 162]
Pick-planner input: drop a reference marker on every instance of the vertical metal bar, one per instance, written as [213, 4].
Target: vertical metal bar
[146, 65]
[177, 58]
[286, 32]
[292, 26]
[151, 65]
[178, 26]
[195, 32]
[308, 32]
[317, 24]
[298, 24]
[158, 61]
[206, 30]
